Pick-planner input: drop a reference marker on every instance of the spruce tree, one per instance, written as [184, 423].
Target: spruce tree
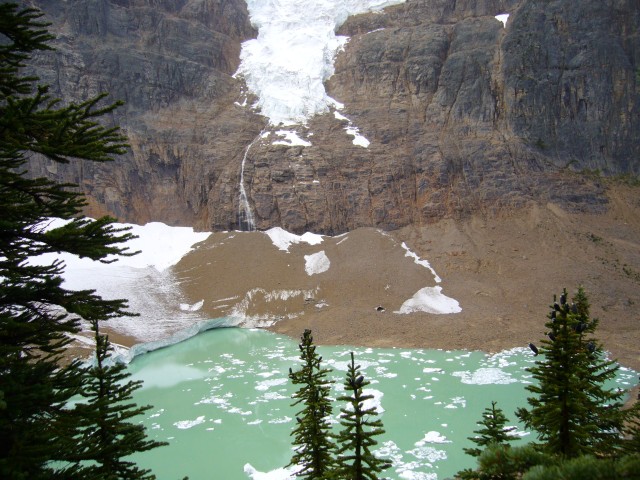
[107, 432]
[38, 315]
[493, 430]
[355, 459]
[493, 435]
[572, 411]
[312, 439]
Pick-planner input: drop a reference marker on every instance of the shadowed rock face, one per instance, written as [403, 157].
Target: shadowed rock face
[463, 114]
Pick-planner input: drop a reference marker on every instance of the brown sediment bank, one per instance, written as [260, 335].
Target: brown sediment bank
[503, 270]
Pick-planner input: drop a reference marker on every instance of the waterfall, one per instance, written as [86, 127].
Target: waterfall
[246, 220]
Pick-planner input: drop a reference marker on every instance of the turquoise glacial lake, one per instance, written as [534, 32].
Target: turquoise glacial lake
[222, 400]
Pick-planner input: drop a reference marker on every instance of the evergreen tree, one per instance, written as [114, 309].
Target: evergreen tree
[631, 431]
[502, 462]
[588, 467]
[494, 435]
[106, 433]
[493, 430]
[355, 460]
[314, 447]
[571, 410]
[38, 315]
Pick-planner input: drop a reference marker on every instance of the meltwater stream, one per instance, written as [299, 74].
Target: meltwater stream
[222, 401]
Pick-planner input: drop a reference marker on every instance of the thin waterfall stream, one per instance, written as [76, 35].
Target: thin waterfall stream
[246, 220]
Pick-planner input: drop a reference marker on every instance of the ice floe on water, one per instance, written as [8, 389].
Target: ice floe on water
[485, 376]
[184, 424]
[237, 380]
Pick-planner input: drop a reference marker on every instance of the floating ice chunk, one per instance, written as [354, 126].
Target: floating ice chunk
[503, 18]
[185, 424]
[424, 263]
[272, 382]
[278, 474]
[277, 421]
[185, 307]
[316, 263]
[430, 300]
[432, 437]
[283, 239]
[291, 139]
[429, 454]
[411, 475]
[485, 376]
[431, 370]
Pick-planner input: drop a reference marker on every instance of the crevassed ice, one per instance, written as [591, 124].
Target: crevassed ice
[286, 66]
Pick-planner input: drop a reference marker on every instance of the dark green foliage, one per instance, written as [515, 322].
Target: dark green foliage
[355, 460]
[38, 315]
[312, 440]
[492, 436]
[588, 468]
[571, 410]
[105, 432]
[631, 430]
[493, 430]
[502, 462]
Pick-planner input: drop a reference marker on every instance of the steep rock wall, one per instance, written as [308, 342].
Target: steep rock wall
[463, 114]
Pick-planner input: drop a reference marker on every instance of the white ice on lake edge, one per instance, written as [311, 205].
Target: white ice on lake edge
[148, 283]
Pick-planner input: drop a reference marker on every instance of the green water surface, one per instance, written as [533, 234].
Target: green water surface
[222, 401]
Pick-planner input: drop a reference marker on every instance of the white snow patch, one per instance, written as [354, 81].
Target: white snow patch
[287, 65]
[358, 139]
[283, 239]
[485, 376]
[316, 263]
[291, 139]
[352, 130]
[423, 263]
[430, 300]
[160, 246]
[503, 18]
[185, 307]
[145, 279]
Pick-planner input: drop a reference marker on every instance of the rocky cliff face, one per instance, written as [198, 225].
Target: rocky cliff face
[463, 114]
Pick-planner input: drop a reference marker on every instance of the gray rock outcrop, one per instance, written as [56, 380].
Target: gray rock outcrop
[464, 115]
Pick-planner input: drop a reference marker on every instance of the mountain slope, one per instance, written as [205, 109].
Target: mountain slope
[463, 114]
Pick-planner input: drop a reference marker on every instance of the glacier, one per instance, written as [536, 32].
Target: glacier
[287, 65]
